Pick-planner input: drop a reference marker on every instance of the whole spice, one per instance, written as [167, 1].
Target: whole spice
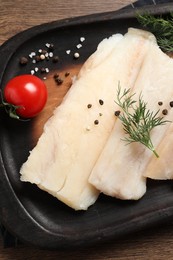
[56, 75]
[59, 81]
[101, 102]
[23, 60]
[165, 112]
[67, 74]
[171, 103]
[37, 58]
[160, 103]
[50, 54]
[42, 57]
[43, 70]
[96, 122]
[89, 106]
[76, 55]
[117, 113]
[55, 59]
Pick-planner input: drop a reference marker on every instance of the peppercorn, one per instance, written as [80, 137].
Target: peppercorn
[43, 70]
[76, 55]
[59, 81]
[55, 59]
[50, 54]
[43, 52]
[101, 102]
[89, 106]
[117, 113]
[37, 58]
[23, 60]
[160, 103]
[56, 75]
[67, 74]
[96, 122]
[171, 103]
[165, 112]
[42, 57]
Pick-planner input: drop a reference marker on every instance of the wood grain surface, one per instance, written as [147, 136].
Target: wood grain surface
[156, 243]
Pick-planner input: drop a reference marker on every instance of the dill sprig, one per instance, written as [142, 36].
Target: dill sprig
[161, 27]
[137, 120]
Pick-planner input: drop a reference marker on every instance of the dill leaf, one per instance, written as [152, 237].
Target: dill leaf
[161, 27]
[137, 120]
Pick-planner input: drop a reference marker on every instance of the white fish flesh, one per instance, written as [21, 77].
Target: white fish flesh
[71, 142]
[121, 169]
[162, 167]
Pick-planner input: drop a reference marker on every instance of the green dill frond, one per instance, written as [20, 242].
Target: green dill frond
[137, 120]
[161, 27]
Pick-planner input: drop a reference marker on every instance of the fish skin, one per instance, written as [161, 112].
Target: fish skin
[66, 152]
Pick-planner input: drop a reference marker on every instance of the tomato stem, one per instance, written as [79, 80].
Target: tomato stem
[9, 108]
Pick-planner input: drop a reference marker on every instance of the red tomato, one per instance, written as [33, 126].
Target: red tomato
[28, 92]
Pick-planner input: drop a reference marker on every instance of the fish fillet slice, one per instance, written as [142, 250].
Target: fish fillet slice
[66, 152]
[162, 167]
[120, 168]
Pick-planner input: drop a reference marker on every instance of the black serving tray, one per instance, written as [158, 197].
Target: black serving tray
[32, 215]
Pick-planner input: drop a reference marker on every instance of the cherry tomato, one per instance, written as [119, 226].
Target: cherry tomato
[28, 92]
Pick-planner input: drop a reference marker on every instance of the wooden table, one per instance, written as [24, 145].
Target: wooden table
[18, 15]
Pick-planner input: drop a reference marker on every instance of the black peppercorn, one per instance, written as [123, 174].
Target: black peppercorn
[56, 75]
[165, 112]
[59, 81]
[43, 70]
[37, 58]
[23, 60]
[67, 74]
[117, 113]
[96, 122]
[171, 103]
[101, 102]
[160, 103]
[55, 59]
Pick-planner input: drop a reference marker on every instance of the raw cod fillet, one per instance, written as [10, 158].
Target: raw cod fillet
[70, 144]
[121, 169]
[162, 168]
